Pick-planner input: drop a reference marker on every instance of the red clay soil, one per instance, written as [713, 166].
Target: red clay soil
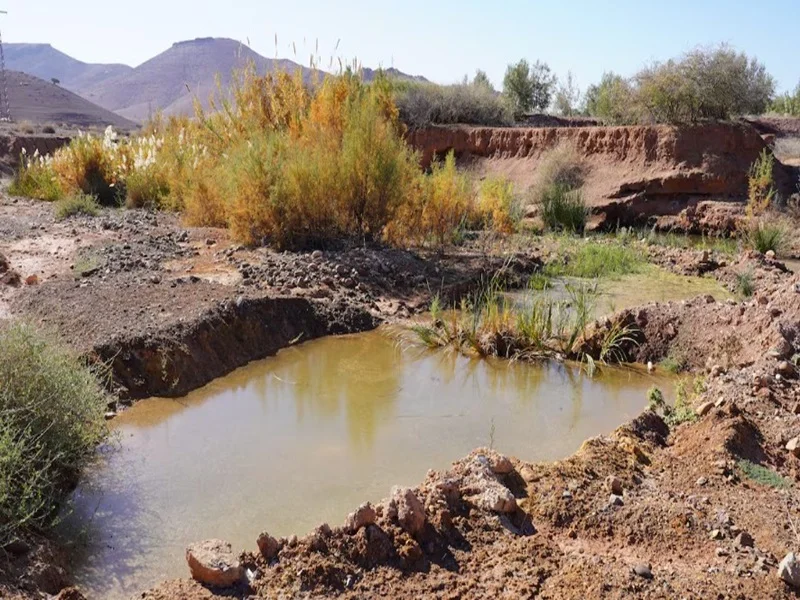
[635, 175]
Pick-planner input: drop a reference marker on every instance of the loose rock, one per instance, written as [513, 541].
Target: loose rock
[213, 563]
[789, 570]
[363, 516]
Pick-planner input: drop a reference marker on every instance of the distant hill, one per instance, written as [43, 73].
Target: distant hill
[370, 74]
[168, 82]
[39, 101]
[171, 80]
[45, 62]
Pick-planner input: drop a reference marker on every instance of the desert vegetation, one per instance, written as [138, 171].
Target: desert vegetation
[281, 163]
[51, 420]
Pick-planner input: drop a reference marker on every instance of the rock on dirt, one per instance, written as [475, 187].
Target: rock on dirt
[789, 570]
[268, 546]
[409, 510]
[213, 563]
[363, 516]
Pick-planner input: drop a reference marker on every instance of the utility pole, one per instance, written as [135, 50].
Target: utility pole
[5, 109]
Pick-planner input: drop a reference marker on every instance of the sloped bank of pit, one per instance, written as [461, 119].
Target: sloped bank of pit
[650, 511]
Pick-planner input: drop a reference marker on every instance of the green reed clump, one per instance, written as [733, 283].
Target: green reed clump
[592, 260]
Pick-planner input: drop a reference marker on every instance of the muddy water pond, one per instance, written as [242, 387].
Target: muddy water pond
[303, 437]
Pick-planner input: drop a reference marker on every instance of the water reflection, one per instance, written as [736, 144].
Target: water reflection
[303, 437]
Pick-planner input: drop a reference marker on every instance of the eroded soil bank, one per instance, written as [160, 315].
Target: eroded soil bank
[174, 308]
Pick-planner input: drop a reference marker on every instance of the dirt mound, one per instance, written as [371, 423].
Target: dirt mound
[635, 174]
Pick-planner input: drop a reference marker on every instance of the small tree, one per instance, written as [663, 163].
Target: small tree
[568, 96]
[55, 80]
[481, 80]
[527, 87]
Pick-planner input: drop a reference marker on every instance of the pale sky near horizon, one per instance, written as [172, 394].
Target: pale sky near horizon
[442, 40]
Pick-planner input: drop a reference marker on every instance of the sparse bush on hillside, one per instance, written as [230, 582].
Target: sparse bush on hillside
[563, 209]
[51, 420]
[556, 189]
[422, 104]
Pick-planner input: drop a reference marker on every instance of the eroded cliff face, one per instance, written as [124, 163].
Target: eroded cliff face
[634, 174]
[11, 148]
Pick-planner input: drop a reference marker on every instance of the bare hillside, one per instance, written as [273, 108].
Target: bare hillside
[38, 101]
[45, 62]
[172, 79]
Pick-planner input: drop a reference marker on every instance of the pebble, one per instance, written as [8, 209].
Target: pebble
[704, 408]
[789, 570]
[744, 540]
[701, 481]
[793, 446]
[615, 500]
[643, 570]
[614, 485]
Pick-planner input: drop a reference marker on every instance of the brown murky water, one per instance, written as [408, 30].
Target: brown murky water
[301, 438]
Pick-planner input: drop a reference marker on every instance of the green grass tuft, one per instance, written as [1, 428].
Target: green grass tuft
[762, 475]
[594, 259]
[563, 209]
[77, 204]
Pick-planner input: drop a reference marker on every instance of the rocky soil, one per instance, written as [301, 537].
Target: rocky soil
[650, 511]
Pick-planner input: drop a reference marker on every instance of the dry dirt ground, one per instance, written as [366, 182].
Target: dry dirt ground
[650, 511]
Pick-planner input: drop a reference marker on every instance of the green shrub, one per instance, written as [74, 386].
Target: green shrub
[761, 184]
[787, 104]
[612, 100]
[563, 209]
[745, 285]
[764, 235]
[51, 420]
[674, 363]
[763, 475]
[77, 204]
[424, 104]
[35, 179]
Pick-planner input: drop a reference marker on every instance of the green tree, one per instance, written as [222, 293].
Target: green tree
[611, 100]
[787, 103]
[528, 87]
[481, 80]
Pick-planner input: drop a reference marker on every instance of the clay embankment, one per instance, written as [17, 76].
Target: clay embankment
[11, 148]
[687, 177]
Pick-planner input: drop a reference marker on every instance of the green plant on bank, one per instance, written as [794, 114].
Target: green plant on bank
[563, 209]
[76, 204]
[34, 179]
[498, 208]
[489, 324]
[51, 420]
[761, 184]
[596, 259]
[763, 475]
[765, 234]
[674, 363]
[655, 399]
[682, 411]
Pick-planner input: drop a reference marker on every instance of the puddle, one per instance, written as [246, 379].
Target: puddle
[628, 291]
[304, 437]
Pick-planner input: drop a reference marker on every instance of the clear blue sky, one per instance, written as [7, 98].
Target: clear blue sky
[441, 39]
